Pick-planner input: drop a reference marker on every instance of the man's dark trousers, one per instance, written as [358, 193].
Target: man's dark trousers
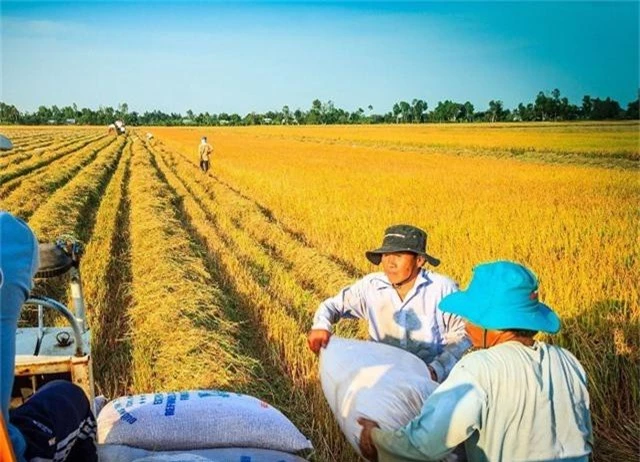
[57, 424]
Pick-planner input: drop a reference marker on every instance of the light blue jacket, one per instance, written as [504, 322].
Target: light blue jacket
[18, 264]
[507, 403]
[415, 324]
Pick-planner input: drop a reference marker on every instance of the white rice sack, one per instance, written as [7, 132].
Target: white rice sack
[120, 453]
[197, 420]
[373, 380]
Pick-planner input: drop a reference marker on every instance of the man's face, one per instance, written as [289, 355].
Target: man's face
[400, 266]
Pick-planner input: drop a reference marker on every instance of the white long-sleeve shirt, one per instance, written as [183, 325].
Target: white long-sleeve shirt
[414, 324]
[507, 403]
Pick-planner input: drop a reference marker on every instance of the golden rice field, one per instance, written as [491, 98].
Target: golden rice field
[211, 280]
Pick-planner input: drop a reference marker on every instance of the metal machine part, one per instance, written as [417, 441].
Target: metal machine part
[45, 353]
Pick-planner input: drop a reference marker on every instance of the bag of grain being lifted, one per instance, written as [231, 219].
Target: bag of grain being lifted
[373, 380]
[197, 420]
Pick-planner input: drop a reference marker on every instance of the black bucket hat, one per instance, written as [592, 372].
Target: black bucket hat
[402, 238]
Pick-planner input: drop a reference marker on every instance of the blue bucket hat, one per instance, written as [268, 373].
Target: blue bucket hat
[502, 295]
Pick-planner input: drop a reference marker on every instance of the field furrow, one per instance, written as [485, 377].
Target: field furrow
[106, 274]
[269, 295]
[24, 195]
[43, 160]
[22, 153]
[71, 209]
[180, 337]
[296, 274]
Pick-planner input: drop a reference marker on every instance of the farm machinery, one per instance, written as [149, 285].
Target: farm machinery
[45, 353]
[156, 426]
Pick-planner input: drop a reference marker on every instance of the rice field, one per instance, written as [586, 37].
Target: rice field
[197, 280]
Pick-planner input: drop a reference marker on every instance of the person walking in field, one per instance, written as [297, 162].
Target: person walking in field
[205, 150]
[513, 399]
[400, 304]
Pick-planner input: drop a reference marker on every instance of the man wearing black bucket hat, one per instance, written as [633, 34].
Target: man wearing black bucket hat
[514, 398]
[400, 303]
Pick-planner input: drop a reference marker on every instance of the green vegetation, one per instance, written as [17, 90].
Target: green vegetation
[549, 107]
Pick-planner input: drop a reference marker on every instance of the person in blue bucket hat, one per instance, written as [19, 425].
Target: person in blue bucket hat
[514, 398]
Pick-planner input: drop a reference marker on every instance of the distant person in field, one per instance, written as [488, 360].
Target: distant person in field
[56, 423]
[400, 304]
[204, 150]
[514, 398]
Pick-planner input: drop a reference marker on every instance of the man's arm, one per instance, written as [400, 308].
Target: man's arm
[449, 417]
[456, 341]
[348, 303]
[456, 344]
[18, 263]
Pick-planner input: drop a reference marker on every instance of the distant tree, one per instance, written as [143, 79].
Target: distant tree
[356, 116]
[418, 108]
[9, 114]
[607, 109]
[555, 103]
[405, 110]
[106, 115]
[587, 106]
[496, 111]
[44, 114]
[68, 113]
[328, 113]
[272, 116]
[542, 107]
[466, 111]
[87, 117]
[286, 115]
[132, 119]
[396, 112]
[632, 110]
[315, 113]
[546, 107]
[122, 112]
[235, 119]
[56, 114]
[250, 119]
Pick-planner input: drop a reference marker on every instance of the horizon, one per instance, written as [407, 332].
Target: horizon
[260, 56]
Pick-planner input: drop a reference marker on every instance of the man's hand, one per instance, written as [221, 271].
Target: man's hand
[318, 338]
[367, 448]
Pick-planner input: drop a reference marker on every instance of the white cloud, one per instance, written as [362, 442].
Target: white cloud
[39, 27]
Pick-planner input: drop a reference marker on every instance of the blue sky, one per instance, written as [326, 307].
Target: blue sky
[243, 56]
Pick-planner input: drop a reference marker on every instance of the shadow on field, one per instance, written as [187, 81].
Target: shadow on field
[606, 341]
[268, 384]
[110, 344]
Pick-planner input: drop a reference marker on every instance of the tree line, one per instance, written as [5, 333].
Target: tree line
[545, 107]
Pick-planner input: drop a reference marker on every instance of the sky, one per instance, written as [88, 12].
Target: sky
[241, 56]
